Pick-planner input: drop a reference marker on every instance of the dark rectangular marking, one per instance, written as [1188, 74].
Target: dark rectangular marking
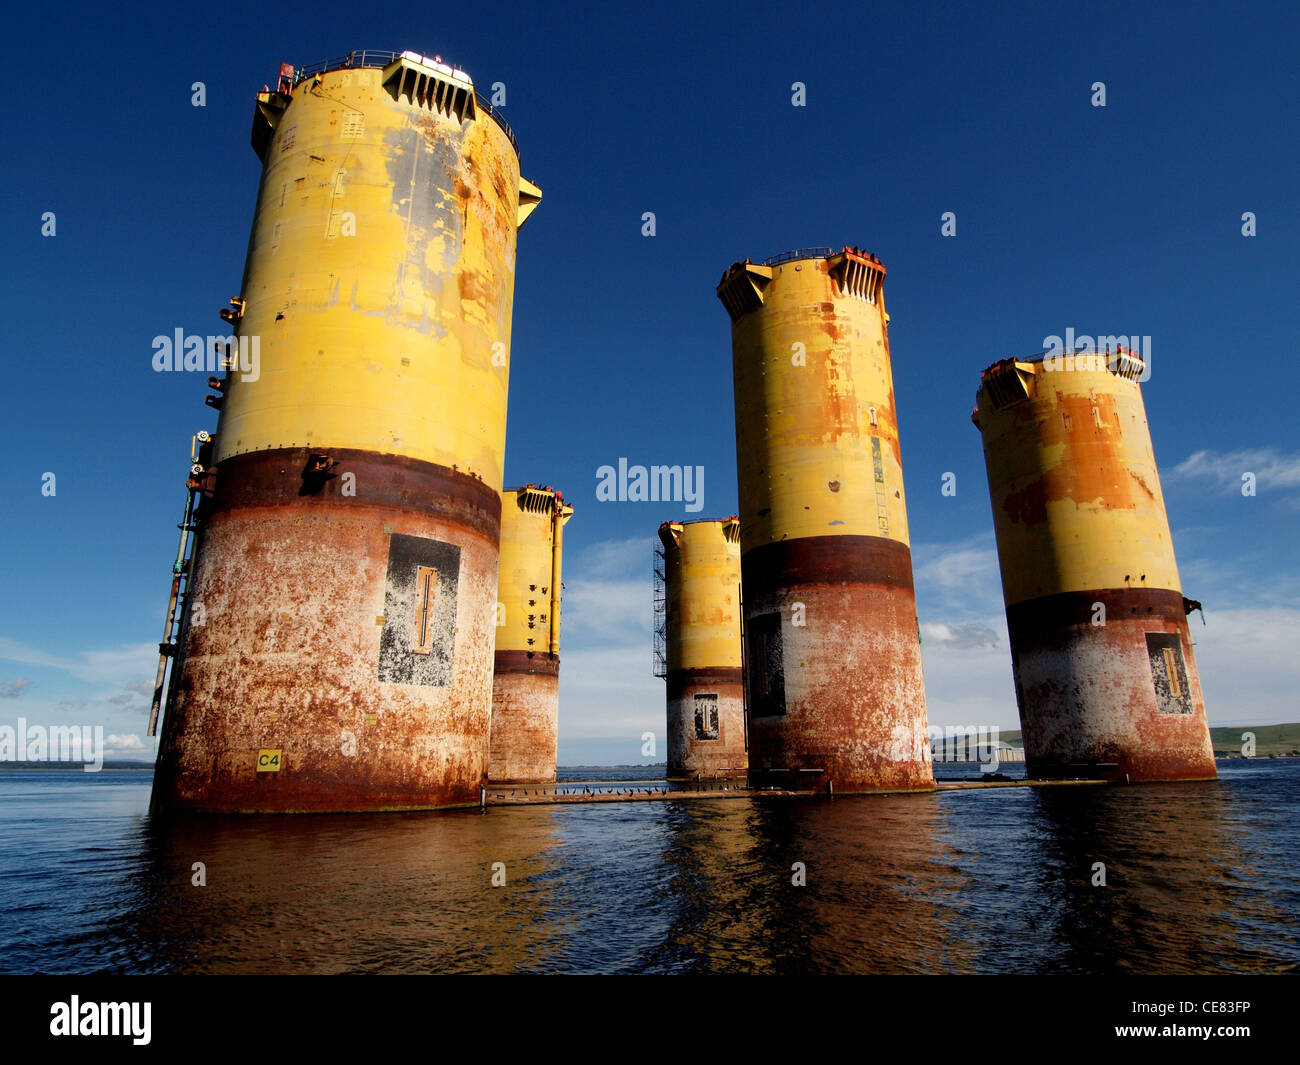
[766, 666]
[419, 635]
[706, 716]
[1169, 673]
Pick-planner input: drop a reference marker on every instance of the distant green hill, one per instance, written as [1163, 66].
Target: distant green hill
[1269, 739]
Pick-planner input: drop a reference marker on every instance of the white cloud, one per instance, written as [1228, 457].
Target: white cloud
[610, 692]
[608, 699]
[128, 746]
[962, 635]
[134, 693]
[607, 611]
[968, 673]
[609, 599]
[1250, 673]
[1234, 580]
[959, 579]
[1223, 469]
[103, 688]
[117, 665]
[613, 558]
[959, 565]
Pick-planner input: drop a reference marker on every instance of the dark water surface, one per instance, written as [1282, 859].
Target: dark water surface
[1200, 878]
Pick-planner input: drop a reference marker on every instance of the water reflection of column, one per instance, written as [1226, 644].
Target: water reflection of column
[368, 893]
[879, 886]
[1178, 895]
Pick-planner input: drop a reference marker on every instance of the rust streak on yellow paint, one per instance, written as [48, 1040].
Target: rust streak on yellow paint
[1073, 479]
[366, 293]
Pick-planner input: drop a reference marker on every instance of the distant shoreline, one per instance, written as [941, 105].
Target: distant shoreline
[1272, 742]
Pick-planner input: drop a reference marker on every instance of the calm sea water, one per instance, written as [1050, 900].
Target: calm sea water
[1200, 878]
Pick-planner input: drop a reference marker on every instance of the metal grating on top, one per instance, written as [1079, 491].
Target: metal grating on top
[1121, 361]
[798, 253]
[536, 500]
[1081, 347]
[373, 57]
[368, 57]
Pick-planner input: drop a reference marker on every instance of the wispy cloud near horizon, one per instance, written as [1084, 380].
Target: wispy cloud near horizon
[120, 664]
[1273, 469]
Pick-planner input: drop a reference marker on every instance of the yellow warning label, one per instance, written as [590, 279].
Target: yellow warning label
[269, 761]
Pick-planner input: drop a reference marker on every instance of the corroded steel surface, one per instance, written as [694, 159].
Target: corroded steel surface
[857, 649]
[706, 724]
[834, 689]
[293, 594]
[1090, 690]
[525, 696]
[276, 478]
[337, 650]
[1105, 672]
[840, 698]
[828, 559]
[705, 692]
[525, 691]
[539, 662]
[679, 680]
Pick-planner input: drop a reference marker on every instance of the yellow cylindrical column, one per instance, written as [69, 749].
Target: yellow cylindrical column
[1105, 676]
[525, 687]
[346, 566]
[380, 275]
[559, 517]
[834, 691]
[706, 712]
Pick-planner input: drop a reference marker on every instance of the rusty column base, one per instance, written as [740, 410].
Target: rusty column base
[706, 724]
[309, 680]
[838, 700]
[525, 717]
[1093, 697]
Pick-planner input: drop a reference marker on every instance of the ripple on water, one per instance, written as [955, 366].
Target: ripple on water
[1199, 878]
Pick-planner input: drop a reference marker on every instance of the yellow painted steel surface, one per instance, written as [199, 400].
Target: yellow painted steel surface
[1073, 480]
[380, 274]
[703, 595]
[816, 430]
[531, 519]
[560, 514]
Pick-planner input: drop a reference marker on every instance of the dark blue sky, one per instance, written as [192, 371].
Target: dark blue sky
[1123, 219]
